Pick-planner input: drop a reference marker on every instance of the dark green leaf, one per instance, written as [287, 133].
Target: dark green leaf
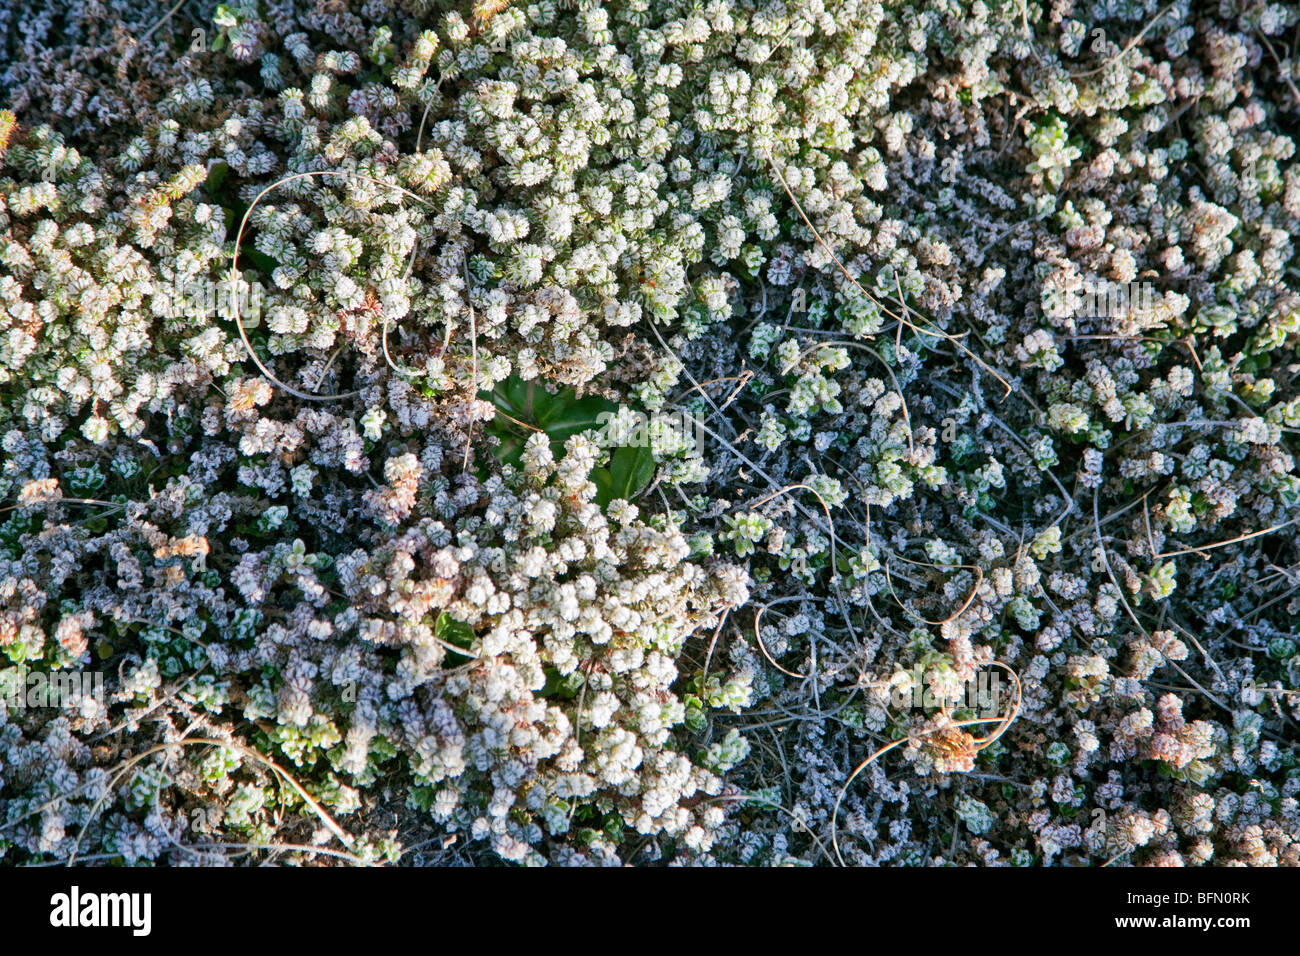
[528, 405]
[216, 176]
[453, 631]
[265, 264]
[630, 471]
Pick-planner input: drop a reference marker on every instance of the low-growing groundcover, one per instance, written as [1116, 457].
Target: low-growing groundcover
[633, 427]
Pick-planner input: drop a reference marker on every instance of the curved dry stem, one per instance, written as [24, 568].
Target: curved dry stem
[830, 522]
[282, 774]
[981, 744]
[234, 276]
[834, 568]
[713, 642]
[955, 339]
[979, 578]
[758, 636]
[388, 358]
[800, 822]
[1012, 714]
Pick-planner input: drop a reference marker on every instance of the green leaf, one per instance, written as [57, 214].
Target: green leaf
[630, 471]
[453, 631]
[511, 449]
[577, 415]
[216, 176]
[265, 264]
[559, 686]
[513, 397]
[560, 415]
[456, 633]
